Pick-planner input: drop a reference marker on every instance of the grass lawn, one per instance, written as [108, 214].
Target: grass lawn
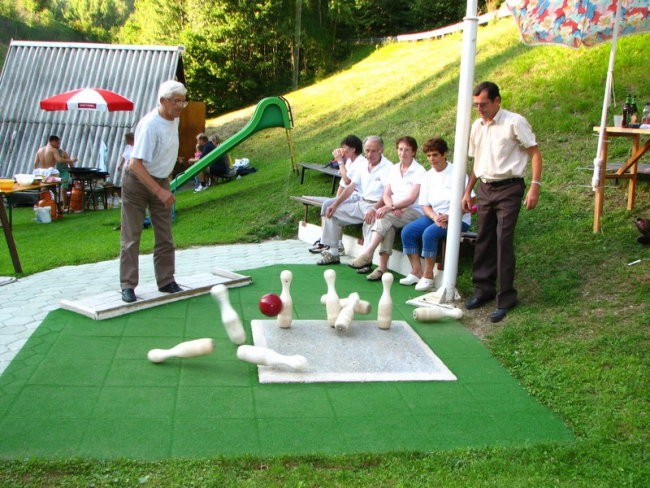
[579, 341]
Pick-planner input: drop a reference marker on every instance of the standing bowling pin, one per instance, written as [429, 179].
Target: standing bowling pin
[385, 305]
[229, 315]
[286, 314]
[269, 357]
[332, 305]
[344, 319]
[431, 314]
[189, 349]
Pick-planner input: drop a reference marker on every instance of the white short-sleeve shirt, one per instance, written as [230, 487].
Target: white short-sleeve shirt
[436, 191]
[370, 184]
[156, 143]
[401, 185]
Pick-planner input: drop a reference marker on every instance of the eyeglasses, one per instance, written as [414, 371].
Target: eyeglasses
[481, 104]
[182, 103]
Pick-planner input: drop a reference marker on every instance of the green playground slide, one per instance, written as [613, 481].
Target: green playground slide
[269, 112]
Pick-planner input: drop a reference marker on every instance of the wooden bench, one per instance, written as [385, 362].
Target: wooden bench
[310, 201]
[314, 201]
[321, 168]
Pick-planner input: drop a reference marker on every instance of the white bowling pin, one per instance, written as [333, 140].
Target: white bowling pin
[229, 315]
[431, 314]
[344, 319]
[332, 305]
[188, 349]
[362, 307]
[385, 305]
[269, 357]
[285, 316]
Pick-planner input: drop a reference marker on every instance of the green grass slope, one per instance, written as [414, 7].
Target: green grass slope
[579, 341]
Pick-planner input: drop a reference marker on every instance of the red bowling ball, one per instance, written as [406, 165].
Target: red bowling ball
[270, 305]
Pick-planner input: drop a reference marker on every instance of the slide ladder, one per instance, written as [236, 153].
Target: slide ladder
[270, 112]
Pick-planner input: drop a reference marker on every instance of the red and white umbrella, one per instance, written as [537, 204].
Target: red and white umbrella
[95, 99]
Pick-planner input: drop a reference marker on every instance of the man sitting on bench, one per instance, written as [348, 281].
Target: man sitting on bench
[356, 207]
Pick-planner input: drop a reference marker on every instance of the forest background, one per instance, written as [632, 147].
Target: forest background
[237, 51]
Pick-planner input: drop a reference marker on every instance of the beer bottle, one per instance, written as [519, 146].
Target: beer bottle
[634, 111]
[626, 111]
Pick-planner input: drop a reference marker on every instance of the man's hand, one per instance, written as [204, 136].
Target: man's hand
[532, 197]
[466, 203]
[166, 197]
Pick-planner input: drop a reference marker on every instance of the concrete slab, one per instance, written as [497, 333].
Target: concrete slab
[365, 353]
[109, 304]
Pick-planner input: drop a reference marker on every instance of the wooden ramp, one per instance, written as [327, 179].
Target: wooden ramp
[109, 304]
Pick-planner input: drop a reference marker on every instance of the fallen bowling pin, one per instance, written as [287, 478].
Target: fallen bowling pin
[363, 306]
[285, 316]
[229, 316]
[431, 314]
[268, 357]
[188, 349]
[344, 319]
[331, 299]
[385, 305]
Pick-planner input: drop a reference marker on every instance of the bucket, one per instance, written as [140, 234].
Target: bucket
[43, 214]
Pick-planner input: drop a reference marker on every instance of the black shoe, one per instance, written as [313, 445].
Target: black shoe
[128, 295]
[476, 302]
[498, 314]
[170, 288]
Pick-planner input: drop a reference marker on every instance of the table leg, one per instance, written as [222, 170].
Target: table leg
[9, 236]
[302, 175]
[631, 188]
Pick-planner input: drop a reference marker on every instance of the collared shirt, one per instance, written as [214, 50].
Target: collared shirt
[436, 191]
[370, 183]
[401, 185]
[499, 146]
[351, 165]
[156, 143]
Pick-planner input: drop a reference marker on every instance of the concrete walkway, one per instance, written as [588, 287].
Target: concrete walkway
[27, 300]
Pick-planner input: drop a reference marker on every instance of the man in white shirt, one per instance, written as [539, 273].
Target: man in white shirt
[145, 185]
[358, 202]
[501, 143]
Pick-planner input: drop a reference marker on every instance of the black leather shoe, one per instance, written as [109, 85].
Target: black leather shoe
[128, 295]
[498, 314]
[476, 302]
[170, 288]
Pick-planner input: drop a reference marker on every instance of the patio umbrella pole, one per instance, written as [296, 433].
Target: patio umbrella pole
[598, 178]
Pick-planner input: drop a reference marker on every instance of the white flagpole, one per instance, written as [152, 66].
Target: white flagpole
[463, 115]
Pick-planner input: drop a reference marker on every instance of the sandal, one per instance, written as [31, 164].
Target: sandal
[375, 275]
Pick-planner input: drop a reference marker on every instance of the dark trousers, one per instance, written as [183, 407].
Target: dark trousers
[136, 198]
[494, 254]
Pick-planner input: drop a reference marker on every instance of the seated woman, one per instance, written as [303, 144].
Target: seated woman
[432, 226]
[400, 206]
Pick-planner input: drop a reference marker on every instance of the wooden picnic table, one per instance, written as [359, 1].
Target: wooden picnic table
[321, 168]
[627, 170]
[7, 222]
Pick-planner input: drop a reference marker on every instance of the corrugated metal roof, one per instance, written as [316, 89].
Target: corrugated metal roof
[36, 70]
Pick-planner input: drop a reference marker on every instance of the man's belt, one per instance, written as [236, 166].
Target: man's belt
[496, 183]
[369, 201]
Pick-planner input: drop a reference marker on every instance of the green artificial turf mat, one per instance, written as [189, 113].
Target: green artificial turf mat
[84, 388]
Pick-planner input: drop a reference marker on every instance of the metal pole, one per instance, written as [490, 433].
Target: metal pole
[463, 114]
